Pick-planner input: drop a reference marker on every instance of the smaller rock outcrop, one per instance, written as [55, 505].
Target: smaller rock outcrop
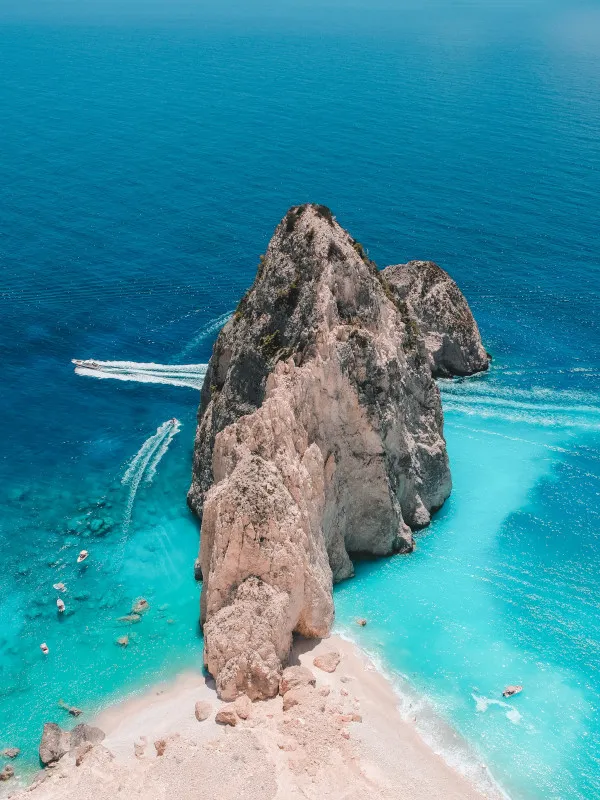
[445, 320]
[11, 752]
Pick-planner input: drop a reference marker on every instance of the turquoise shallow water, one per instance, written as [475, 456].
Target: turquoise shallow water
[143, 164]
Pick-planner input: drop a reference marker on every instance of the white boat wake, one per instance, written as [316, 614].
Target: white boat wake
[142, 467]
[211, 328]
[188, 375]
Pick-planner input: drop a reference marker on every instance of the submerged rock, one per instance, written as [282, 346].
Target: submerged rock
[320, 435]
[7, 773]
[11, 752]
[445, 320]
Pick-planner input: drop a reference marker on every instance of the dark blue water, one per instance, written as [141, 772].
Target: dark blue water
[144, 161]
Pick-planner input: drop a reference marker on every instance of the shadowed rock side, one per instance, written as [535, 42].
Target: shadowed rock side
[445, 319]
[320, 434]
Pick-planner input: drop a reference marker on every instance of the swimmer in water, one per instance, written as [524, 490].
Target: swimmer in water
[82, 556]
[60, 587]
[60, 605]
[44, 648]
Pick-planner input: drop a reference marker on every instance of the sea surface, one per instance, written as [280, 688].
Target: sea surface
[146, 153]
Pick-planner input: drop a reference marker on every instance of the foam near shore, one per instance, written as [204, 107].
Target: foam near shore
[349, 741]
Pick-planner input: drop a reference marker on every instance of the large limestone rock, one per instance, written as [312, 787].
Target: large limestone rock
[55, 743]
[451, 334]
[320, 435]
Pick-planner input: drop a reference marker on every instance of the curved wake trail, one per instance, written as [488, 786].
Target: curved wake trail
[143, 465]
[189, 375]
[211, 328]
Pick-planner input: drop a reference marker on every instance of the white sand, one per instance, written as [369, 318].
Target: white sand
[313, 750]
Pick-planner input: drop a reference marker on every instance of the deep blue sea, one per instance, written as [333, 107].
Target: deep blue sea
[146, 153]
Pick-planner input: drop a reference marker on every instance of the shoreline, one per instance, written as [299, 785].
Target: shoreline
[349, 738]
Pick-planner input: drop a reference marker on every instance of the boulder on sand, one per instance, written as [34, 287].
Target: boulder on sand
[328, 662]
[294, 677]
[7, 773]
[227, 716]
[203, 710]
[243, 706]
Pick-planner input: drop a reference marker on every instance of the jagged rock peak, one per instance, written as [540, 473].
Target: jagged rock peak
[451, 334]
[320, 434]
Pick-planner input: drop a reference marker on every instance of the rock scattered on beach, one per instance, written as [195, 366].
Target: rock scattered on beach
[203, 710]
[328, 662]
[7, 773]
[227, 716]
[139, 747]
[295, 697]
[11, 752]
[161, 746]
[293, 677]
[243, 706]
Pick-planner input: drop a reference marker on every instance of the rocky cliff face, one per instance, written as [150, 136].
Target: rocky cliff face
[445, 319]
[320, 435]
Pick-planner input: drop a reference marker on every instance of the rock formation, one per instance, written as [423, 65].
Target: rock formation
[57, 742]
[320, 435]
[444, 317]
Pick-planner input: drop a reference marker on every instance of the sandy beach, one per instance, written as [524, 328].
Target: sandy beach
[344, 738]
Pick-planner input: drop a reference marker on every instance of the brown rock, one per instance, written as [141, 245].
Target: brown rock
[293, 677]
[227, 716]
[7, 773]
[11, 752]
[328, 662]
[243, 706]
[202, 710]
[161, 746]
[356, 718]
